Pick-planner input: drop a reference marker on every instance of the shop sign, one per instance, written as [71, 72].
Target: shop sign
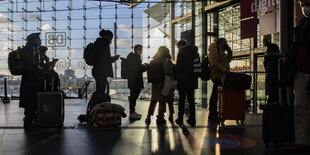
[264, 5]
[240, 69]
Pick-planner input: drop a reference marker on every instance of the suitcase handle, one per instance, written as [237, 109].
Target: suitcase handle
[45, 87]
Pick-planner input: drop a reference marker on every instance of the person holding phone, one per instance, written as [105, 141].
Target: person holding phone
[219, 62]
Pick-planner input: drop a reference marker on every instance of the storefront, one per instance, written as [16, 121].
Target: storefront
[245, 24]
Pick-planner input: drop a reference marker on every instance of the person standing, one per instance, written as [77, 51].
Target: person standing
[103, 66]
[271, 67]
[163, 56]
[299, 59]
[135, 79]
[219, 63]
[188, 82]
[32, 79]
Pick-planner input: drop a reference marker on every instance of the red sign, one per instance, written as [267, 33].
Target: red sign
[239, 69]
[249, 28]
[246, 10]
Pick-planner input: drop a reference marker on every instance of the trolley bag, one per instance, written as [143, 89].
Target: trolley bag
[236, 80]
[231, 104]
[50, 108]
[278, 118]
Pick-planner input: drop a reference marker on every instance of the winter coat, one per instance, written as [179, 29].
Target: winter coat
[219, 61]
[103, 66]
[271, 68]
[32, 78]
[158, 87]
[184, 68]
[136, 69]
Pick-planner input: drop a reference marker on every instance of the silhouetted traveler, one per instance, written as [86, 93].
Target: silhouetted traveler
[135, 79]
[219, 63]
[32, 79]
[187, 80]
[162, 55]
[48, 67]
[299, 59]
[103, 66]
[271, 67]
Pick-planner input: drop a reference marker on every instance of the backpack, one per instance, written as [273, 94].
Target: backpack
[124, 69]
[155, 72]
[197, 68]
[206, 70]
[15, 62]
[90, 54]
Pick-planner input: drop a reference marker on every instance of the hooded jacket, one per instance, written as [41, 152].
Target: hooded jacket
[219, 61]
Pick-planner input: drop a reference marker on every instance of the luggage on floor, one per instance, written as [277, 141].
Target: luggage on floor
[278, 118]
[278, 124]
[106, 115]
[236, 80]
[231, 104]
[50, 109]
[107, 119]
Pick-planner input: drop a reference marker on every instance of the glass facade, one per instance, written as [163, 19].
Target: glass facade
[75, 23]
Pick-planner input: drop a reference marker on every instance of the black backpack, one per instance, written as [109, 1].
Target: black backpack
[90, 54]
[197, 67]
[155, 72]
[124, 68]
[206, 70]
[15, 62]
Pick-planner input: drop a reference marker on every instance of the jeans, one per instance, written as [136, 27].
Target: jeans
[189, 93]
[214, 97]
[134, 94]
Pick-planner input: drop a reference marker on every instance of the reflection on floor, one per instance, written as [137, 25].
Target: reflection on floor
[131, 137]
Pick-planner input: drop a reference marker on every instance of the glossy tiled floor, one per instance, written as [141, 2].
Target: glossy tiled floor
[131, 137]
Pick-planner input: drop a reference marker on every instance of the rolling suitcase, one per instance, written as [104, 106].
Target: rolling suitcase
[231, 105]
[50, 109]
[278, 124]
[278, 118]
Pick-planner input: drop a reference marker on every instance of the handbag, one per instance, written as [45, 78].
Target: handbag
[169, 83]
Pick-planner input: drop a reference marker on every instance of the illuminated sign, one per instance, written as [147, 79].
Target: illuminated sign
[239, 69]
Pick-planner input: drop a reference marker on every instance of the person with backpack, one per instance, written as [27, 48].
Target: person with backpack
[163, 59]
[219, 63]
[102, 68]
[187, 80]
[135, 79]
[32, 79]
